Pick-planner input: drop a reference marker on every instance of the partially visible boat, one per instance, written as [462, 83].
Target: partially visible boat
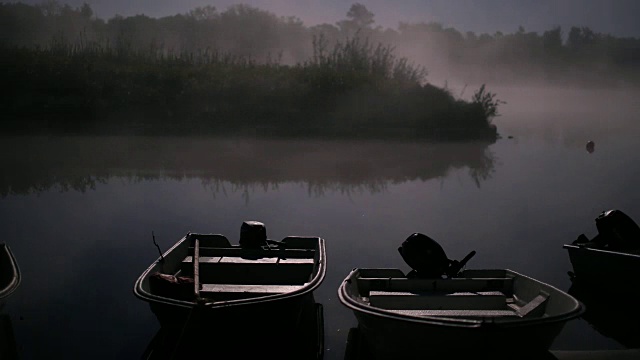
[610, 261]
[482, 310]
[478, 311]
[9, 272]
[258, 284]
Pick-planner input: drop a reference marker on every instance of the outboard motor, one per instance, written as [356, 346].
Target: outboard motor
[427, 258]
[616, 231]
[253, 234]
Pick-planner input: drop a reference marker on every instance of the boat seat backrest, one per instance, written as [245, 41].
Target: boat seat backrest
[210, 240]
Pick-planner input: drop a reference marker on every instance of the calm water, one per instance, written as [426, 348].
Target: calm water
[78, 212]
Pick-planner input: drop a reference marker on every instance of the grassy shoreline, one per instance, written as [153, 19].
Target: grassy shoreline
[354, 90]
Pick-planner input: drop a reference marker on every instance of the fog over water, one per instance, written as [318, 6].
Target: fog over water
[78, 210]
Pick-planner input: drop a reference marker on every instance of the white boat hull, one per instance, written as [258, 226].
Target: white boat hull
[409, 318]
[239, 288]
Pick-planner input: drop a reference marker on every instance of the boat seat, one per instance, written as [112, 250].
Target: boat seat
[504, 285]
[214, 240]
[261, 271]
[225, 292]
[458, 313]
[240, 260]
[492, 300]
[534, 308]
[254, 253]
[254, 289]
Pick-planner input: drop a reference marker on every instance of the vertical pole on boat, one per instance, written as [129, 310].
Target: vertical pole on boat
[196, 268]
[153, 236]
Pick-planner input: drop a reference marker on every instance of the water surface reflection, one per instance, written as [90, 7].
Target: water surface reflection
[80, 163]
[78, 213]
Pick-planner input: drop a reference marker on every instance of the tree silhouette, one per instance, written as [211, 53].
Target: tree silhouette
[360, 15]
[358, 18]
[204, 13]
[575, 53]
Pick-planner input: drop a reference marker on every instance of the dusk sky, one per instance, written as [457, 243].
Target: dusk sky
[617, 17]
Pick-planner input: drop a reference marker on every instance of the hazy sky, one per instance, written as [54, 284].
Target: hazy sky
[617, 17]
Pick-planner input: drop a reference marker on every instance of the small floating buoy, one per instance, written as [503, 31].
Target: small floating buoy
[590, 146]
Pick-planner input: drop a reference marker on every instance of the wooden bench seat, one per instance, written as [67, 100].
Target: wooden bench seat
[504, 285]
[255, 253]
[222, 292]
[254, 289]
[458, 313]
[237, 270]
[494, 300]
[240, 260]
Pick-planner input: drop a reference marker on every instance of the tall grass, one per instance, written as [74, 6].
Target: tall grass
[488, 101]
[354, 88]
[360, 61]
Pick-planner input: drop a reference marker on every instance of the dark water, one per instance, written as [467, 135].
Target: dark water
[78, 212]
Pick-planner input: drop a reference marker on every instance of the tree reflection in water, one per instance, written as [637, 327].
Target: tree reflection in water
[234, 165]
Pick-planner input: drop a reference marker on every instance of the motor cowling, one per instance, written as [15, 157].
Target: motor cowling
[427, 258]
[617, 231]
[253, 234]
[424, 255]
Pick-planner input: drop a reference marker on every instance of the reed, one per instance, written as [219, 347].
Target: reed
[353, 89]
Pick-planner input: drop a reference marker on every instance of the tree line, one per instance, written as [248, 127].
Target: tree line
[556, 55]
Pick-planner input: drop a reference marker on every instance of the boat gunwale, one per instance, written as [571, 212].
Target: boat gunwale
[308, 287]
[576, 248]
[16, 276]
[354, 305]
